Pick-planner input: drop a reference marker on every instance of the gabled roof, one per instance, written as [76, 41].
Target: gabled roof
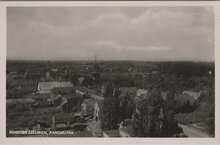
[141, 92]
[51, 85]
[195, 95]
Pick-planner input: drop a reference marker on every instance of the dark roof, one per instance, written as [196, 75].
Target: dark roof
[63, 90]
[39, 96]
[71, 96]
[112, 133]
[49, 110]
[21, 100]
[43, 103]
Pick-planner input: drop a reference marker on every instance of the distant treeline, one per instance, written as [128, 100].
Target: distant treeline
[187, 68]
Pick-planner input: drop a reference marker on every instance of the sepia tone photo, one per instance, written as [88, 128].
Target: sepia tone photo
[110, 71]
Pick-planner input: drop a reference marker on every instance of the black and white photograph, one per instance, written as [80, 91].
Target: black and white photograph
[110, 72]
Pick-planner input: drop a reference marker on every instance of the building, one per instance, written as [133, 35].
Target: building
[71, 103]
[98, 110]
[50, 110]
[62, 90]
[141, 93]
[65, 120]
[183, 98]
[43, 104]
[46, 87]
[195, 95]
[56, 100]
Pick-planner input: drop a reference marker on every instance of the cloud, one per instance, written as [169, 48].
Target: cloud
[109, 44]
[160, 32]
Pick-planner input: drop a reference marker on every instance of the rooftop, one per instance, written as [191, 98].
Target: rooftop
[51, 85]
[141, 92]
[184, 98]
[195, 95]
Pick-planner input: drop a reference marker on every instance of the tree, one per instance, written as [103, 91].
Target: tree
[111, 112]
[170, 126]
[127, 107]
[147, 121]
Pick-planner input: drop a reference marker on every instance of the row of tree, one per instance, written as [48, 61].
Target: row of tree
[151, 116]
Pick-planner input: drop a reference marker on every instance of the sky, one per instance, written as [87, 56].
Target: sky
[112, 32]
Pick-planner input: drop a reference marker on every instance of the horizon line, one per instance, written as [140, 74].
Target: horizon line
[91, 60]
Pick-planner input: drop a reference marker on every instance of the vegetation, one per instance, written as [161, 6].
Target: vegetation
[111, 112]
[147, 121]
[170, 77]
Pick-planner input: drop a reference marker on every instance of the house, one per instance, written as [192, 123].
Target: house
[195, 95]
[47, 101]
[141, 93]
[88, 106]
[71, 103]
[27, 102]
[183, 98]
[46, 87]
[50, 110]
[111, 133]
[62, 90]
[56, 101]
[63, 120]
[43, 104]
[21, 100]
[98, 109]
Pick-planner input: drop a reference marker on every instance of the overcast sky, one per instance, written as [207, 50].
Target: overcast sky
[113, 33]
